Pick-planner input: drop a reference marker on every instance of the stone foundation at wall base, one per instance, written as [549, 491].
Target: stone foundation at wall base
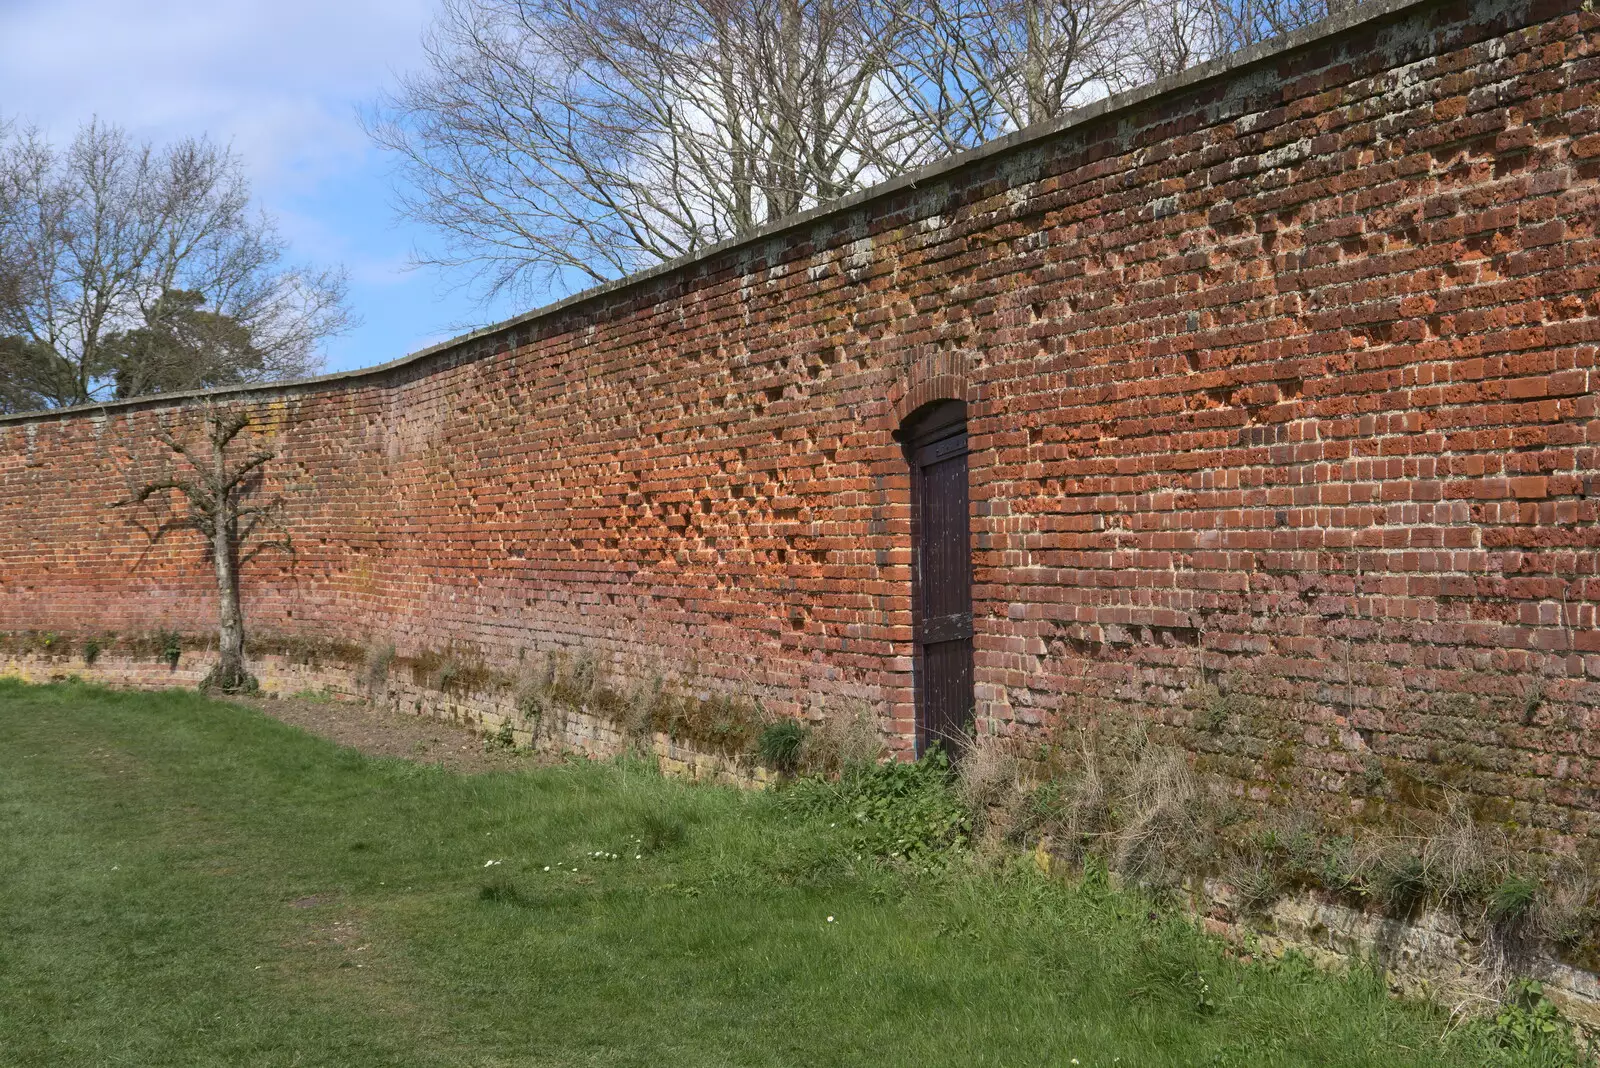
[1433, 955]
[566, 730]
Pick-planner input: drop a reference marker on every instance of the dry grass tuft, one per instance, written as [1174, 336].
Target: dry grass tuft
[990, 785]
[1088, 808]
[849, 739]
[1133, 805]
[635, 715]
[1568, 909]
[1161, 819]
[1462, 859]
[377, 658]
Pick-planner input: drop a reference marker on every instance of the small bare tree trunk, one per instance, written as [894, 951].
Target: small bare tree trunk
[230, 674]
[218, 513]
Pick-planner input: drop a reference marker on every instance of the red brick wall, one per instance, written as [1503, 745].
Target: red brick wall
[1283, 437]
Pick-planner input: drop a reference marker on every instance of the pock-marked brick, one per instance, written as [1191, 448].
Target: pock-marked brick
[1277, 384]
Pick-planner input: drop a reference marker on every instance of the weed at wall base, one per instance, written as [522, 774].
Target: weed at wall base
[375, 665]
[503, 740]
[899, 811]
[848, 739]
[1136, 810]
[781, 745]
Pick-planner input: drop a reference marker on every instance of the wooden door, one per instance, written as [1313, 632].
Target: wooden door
[943, 578]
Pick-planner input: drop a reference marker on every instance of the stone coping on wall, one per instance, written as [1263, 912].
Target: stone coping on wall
[1367, 11]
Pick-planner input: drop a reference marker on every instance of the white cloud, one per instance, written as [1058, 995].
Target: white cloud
[278, 80]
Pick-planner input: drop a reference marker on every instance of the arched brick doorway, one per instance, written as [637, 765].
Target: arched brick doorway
[935, 441]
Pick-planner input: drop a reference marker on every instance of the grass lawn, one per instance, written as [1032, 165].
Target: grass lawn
[189, 882]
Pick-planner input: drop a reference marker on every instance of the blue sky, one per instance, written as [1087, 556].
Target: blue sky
[280, 81]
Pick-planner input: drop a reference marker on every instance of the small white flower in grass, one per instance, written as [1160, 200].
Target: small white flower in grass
[547, 867]
[830, 919]
[636, 856]
[490, 863]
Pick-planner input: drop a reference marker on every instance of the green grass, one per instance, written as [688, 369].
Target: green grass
[188, 882]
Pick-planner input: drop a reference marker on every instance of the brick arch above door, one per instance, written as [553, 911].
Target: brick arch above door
[942, 376]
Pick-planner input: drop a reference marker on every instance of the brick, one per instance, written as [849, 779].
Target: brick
[1331, 414]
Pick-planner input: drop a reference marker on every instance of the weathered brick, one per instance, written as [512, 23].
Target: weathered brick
[1279, 382]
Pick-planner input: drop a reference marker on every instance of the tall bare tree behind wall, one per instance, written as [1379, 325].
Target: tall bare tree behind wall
[128, 269]
[589, 138]
[972, 70]
[551, 143]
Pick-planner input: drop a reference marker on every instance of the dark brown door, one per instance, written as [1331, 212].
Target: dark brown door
[937, 446]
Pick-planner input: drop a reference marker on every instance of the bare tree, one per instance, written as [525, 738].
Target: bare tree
[552, 138]
[554, 141]
[559, 141]
[95, 240]
[219, 483]
[1165, 38]
[967, 71]
[9, 268]
[972, 70]
[1235, 24]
